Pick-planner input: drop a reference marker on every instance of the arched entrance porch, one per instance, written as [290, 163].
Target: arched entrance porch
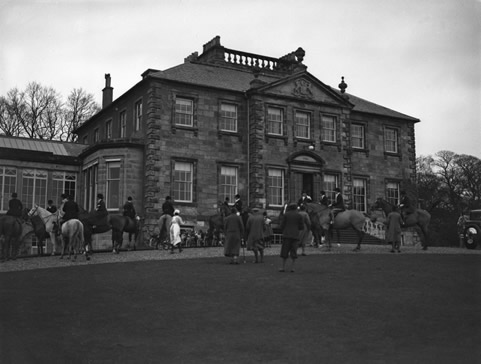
[304, 174]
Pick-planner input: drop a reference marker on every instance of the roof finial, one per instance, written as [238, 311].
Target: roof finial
[342, 85]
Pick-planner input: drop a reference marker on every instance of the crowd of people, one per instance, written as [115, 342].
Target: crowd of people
[252, 230]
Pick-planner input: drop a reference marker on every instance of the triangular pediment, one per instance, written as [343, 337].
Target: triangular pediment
[305, 87]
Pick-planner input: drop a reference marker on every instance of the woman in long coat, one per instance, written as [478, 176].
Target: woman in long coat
[234, 231]
[393, 229]
[255, 228]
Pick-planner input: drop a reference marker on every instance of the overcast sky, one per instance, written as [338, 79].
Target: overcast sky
[418, 57]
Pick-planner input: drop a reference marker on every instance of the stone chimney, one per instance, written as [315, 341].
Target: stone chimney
[107, 92]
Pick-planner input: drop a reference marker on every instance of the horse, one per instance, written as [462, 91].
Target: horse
[320, 216]
[50, 221]
[117, 223]
[216, 225]
[73, 238]
[11, 230]
[418, 219]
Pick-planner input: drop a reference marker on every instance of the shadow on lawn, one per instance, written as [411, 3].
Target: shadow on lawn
[335, 308]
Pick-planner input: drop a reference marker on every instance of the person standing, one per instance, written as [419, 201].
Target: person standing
[234, 231]
[175, 239]
[393, 229]
[129, 209]
[165, 219]
[51, 207]
[225, 208]
[305, 236]
[255, 234]
[291, 226]
[15, 207]
[268, 232]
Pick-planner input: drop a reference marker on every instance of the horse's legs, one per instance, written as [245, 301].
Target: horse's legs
[425, 237]
[360, 235]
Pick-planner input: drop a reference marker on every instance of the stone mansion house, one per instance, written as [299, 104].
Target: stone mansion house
[221, 123]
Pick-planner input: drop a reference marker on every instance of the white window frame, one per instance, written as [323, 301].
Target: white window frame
[8, 185]
[138, 110]
[358, 136]
[63, 182]
[328, 129]
[359, 194]
[184, 112]
[34, 187]
[392, 192]
[302, 124]
[329, 182]
[275, 187]
[108, 129]
[112, 197]
[275, 121]
[228, 117]
[123, 123]
[391, 140]
[228, 182]
[183, 181]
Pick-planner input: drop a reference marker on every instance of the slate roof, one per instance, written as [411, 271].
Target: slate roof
[211, 75]
[64, 149]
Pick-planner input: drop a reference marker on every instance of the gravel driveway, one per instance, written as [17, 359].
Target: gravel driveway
[29, 263]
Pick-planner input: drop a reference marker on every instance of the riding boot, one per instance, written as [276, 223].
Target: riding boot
[180, 248]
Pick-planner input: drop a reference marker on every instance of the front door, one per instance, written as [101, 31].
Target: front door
[301, 182]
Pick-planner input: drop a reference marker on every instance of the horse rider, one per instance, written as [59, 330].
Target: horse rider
[238, 204]
[165, 219]
[129, 209]
[51, 207]
[405, 205]
[101, 211]
[15, 207]
[324, 200]
[337, 205]
[70, 209]
[305, 198]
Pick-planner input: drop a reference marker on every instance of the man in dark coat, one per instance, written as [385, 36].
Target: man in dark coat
[405, 205]
[129, 209]
[101, 211]
[71, 209]
[323, 200]
[337, 205]
[51, 207]
[165, 219]
[234, 231]
[15, 207]
[291, 226]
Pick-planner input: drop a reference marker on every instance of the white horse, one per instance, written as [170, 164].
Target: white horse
[49, 220]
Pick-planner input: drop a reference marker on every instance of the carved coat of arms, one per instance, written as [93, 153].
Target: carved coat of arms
[303, 89]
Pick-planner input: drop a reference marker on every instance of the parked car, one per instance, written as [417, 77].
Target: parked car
[472, 229]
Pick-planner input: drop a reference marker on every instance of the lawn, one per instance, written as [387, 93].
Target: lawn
[366, 308]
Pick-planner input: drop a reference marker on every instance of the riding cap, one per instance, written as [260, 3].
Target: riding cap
[14, 195]
[129, 198]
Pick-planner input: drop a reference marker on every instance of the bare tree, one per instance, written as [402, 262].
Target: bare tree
[80, 106]
[39, 112]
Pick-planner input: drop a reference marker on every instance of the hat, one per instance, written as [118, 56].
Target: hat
[337, 189]
[176, 212]
[99, 195]
[129, 198]
[255, 209]
[292, 206]
[14, 195]
[63, 195]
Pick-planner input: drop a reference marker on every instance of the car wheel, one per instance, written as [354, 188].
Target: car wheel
[472, 235]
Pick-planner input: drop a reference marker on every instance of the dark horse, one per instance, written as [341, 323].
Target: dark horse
[216, 224]
[419, 219]
[320, 216]
[117, 223]
[10, 230]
